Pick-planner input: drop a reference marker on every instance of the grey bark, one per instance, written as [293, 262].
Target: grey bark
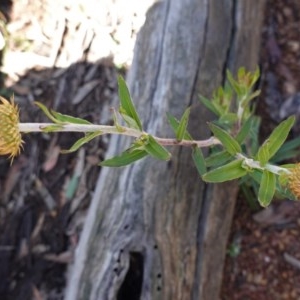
[163, 210]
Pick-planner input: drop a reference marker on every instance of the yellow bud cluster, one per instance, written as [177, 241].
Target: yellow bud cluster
[294, 180]
[10, 136]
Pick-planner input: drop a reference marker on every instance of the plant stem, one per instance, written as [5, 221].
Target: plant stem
[106, 129]
[256, 165]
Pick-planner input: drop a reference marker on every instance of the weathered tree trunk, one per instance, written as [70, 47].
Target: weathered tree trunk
[157, 221]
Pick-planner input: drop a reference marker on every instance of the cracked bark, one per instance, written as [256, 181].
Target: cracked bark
[160, 215]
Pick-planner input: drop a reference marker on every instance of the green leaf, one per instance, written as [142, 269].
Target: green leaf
[228, 118]
[182, 126]
[235, 85]
[46, 111]
[87, 138]
[267, 188]
[256, 175]
[263, 154]
[228, 142]
[59, 118]
[253, 136]
[280, 134]
[127, 157]
[116, 123]
[250, 97]
[126, 102]
[129, 121]
[278, 137]
[199, 161]
[288, 150]
[244, 131]
[230, 171]
[209, 105]
[250, 196]
[174, 123]
[288, 155]
[291, 145]
[69, 119]
[241, 72]
[217, 159]
[284, 193]
[156, 150]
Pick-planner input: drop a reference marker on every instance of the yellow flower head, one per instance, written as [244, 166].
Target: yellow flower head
[10, 136]
[294, 180]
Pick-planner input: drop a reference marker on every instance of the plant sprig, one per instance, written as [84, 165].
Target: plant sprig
[234, 148]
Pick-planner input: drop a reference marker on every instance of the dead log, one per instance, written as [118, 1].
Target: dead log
[154, 229]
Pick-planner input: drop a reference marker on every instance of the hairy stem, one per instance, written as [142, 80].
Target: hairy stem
[106, 129]
[254, 164]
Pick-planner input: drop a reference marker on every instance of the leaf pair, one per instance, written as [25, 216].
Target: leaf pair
[180, 129]
[147, 145]
[235, 170]
[59, 118]
[180, 126]
[127, 109]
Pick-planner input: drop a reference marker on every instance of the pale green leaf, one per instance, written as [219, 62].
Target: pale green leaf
[87, 138]
[228, 142]
[288, 150]
[209, 105]
[174, 123]
[126, 102]
[156, 150]
[217, 159]
[69, 119]
[230, 171]
[182, 126]
[267, 188]
[250, 97]
[233, 83]
[263, 154]
[116, 122]
[127, 157]
[129, 121]
[199, 160]
[245, 130]
[278, 136]
[46, 111]
[228, 118]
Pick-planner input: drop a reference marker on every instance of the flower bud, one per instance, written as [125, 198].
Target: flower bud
[294, 180]
[10, 136]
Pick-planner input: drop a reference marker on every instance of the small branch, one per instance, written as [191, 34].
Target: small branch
[121, 130]
[188, 143]
[254, 164]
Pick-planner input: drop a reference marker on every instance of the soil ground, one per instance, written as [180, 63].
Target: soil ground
[68, 56]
